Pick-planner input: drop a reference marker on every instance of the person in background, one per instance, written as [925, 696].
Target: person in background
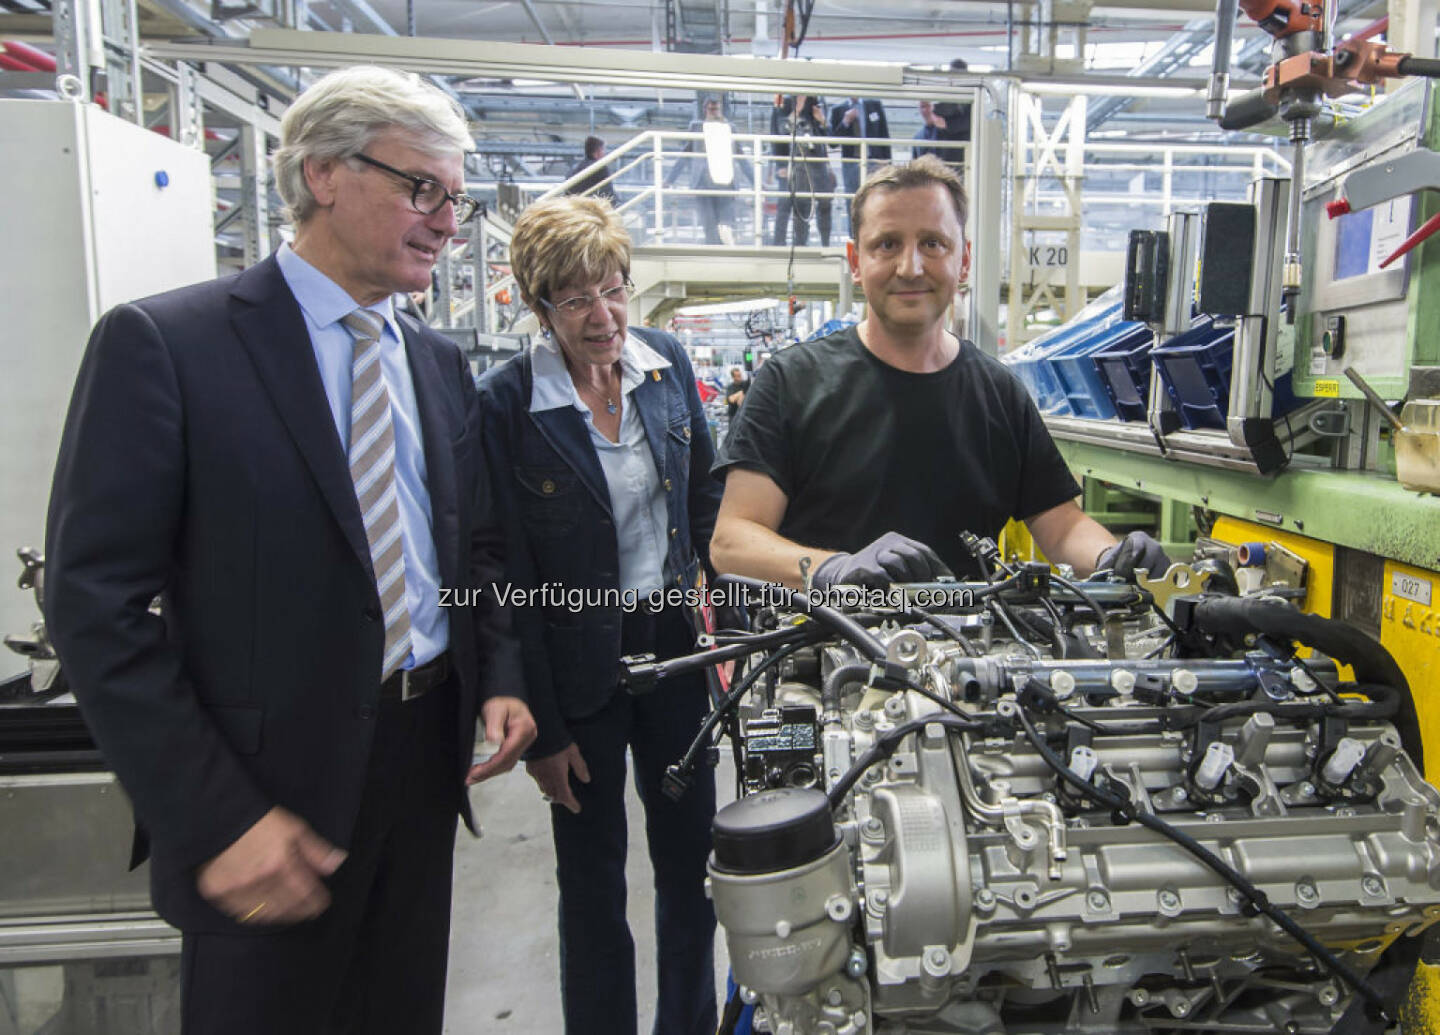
[735, 391]
[860, 119]
[717, 213]
[869, 451]
[599, 455]
[945, 121]
[294, 469]
[806, 179]
[595, 184]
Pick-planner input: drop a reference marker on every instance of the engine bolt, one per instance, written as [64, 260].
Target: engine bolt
[895, 707]
[864, 720]
[856, 965]
[858, 1018]
[1139, 996]
[873, 828]
[879, 898]
[1307, 789]
[1169, 901]
[1373, 886]
[1184, 680]
[1306, 894]
[1180, 794]
[1329, 995]
[984, 898]
[937, 960]
[834, 997]
[1099, 901]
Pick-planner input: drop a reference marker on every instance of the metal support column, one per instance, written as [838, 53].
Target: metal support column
[986, 157]
[74, 54]
[1253, 375]
[186, 124]
[254, 194]
[480, 248]
[1041, 153]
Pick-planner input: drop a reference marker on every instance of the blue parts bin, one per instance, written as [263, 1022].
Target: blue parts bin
[1075, 367]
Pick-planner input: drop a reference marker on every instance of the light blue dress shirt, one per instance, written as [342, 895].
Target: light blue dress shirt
[324, 303]
[637, 501]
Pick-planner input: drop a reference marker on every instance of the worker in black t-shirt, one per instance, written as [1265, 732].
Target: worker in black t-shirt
[871, 450]
[735, 391]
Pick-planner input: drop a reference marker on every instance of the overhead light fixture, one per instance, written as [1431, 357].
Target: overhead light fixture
[722, 308]
[1113, 86]
[719, 151]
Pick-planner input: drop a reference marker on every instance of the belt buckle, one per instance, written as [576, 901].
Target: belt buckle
[406, 692]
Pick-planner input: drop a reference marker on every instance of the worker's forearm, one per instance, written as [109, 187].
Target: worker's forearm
[1081, 546]
[743, 547]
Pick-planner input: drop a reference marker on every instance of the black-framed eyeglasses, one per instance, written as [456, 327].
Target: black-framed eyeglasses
[428, 196]
[575, 305]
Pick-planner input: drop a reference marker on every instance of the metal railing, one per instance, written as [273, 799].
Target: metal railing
[645, 170]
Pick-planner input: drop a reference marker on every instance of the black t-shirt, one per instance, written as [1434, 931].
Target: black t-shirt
[731, 387]
[861, 448]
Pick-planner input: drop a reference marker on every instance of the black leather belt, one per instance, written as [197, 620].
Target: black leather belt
[410, 683]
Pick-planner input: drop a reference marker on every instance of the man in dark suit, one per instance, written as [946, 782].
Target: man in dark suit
[294, 470]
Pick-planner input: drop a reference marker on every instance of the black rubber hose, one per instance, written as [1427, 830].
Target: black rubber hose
[731, 700]
[959, 637]
[1383, 704]
[1237, 616]
[1426, 67]
[841, 624]
[836, 680]
[885, 745]
[1257, 898]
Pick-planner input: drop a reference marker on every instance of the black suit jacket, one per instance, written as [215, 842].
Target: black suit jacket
[200, 463]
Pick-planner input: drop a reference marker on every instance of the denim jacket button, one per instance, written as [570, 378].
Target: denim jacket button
[667, 484]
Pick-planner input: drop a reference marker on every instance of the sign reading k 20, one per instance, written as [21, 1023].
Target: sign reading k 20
[1049, 255]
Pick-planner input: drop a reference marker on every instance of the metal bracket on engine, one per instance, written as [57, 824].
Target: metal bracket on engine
[1179, 580]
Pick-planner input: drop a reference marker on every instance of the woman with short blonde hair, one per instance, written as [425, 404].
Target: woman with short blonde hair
[599, 456]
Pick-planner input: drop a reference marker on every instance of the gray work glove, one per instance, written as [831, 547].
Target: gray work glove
[891, 558]
[1136, 550]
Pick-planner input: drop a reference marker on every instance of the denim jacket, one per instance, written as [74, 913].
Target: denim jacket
[548, 486]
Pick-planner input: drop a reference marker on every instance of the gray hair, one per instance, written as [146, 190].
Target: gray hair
[343, 112]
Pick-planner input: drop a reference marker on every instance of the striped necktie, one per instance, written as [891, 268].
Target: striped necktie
[372, 469]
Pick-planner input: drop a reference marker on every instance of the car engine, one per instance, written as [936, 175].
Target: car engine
[1051, 806]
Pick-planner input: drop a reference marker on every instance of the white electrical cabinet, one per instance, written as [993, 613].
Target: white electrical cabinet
[95, 211]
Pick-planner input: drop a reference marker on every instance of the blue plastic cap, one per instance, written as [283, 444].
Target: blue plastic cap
[1251, 555]
[162, 178]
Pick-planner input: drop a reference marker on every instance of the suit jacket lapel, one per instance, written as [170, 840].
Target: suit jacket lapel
[437, 436]
[271, 327]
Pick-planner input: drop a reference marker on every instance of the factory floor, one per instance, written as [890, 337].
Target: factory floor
[504, 970]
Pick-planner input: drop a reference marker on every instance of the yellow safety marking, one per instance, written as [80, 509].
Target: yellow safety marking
[1420, 1009]
[1328, 388]
[1410, 631]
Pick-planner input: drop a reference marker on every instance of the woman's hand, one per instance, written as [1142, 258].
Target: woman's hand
[552, 774]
